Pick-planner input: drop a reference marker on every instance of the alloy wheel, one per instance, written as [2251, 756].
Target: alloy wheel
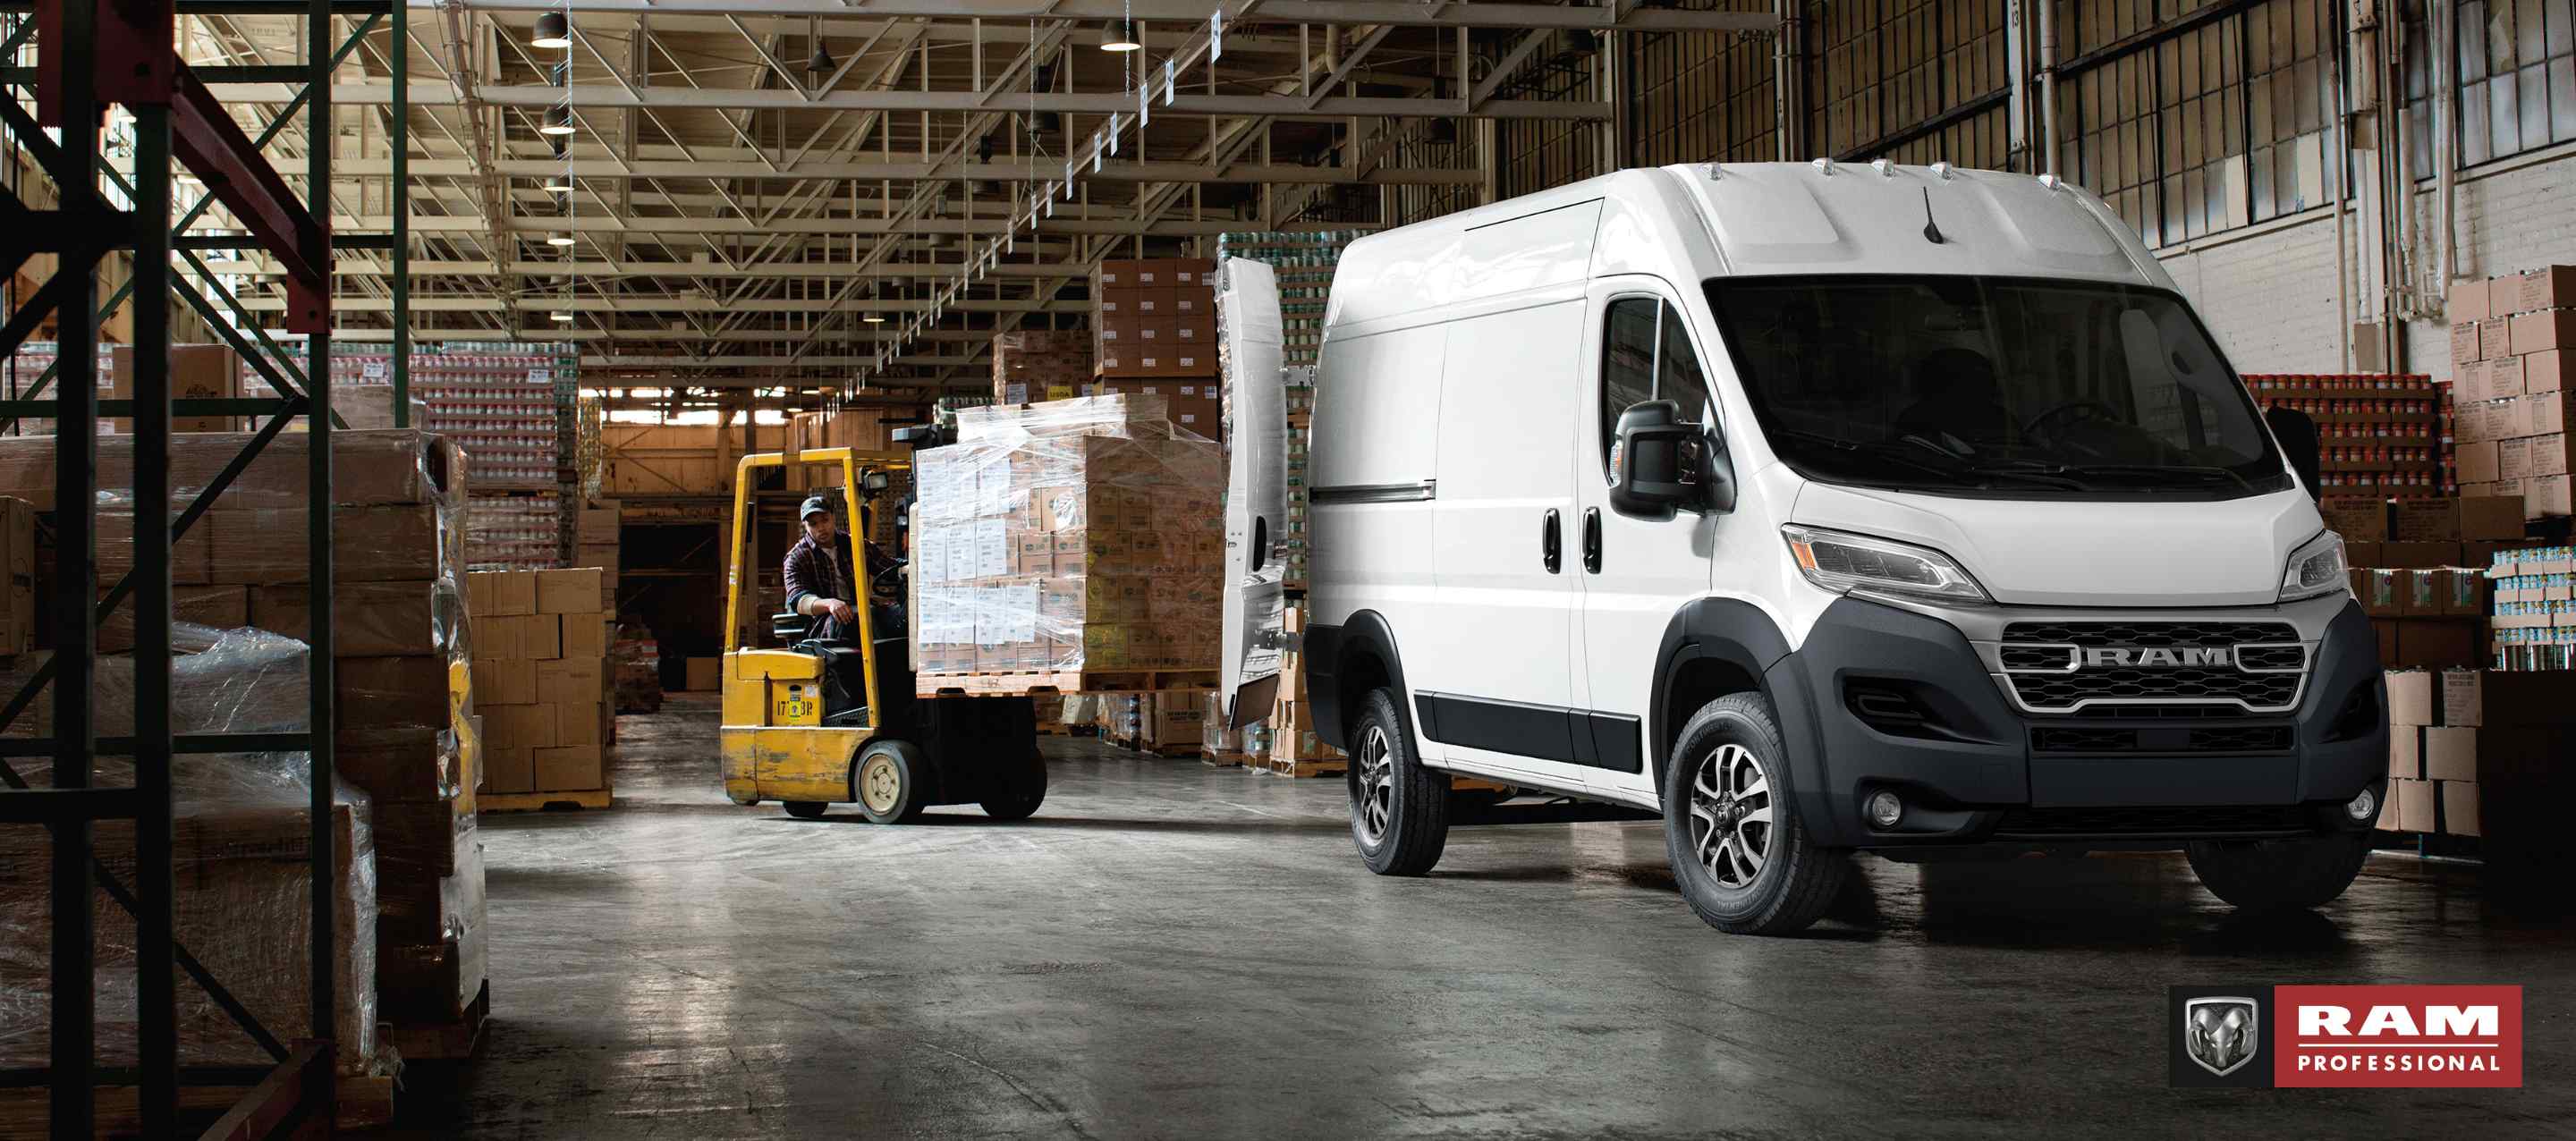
[1373, 800]
[1730, 815]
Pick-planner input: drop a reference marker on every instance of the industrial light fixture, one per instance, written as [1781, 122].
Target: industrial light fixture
[553, 31]
[822, 63]
[874, 318]
[562, 316]
[561, 185]
[559, 240]
[558, 121]
[1120, 36]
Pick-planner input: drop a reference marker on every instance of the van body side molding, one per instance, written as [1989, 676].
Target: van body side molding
[1417, 492]
[1542, 732]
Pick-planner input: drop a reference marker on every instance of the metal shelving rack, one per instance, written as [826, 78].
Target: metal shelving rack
[92, 53]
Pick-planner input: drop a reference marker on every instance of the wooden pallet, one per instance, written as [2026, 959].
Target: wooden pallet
[445, 1041]
[1223, 760]
[541, 801]
[365, 1103]
[1059, 681]
[1303, 767]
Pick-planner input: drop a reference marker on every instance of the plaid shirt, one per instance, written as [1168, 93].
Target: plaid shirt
[812, 573]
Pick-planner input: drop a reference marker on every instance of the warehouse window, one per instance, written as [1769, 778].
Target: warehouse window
[2516, 63]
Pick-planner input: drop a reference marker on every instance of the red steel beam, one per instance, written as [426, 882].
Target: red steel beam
[138, 65]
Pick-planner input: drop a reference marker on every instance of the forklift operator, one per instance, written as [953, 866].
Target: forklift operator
[818, 578]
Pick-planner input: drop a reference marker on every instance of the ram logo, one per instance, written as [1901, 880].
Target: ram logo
[2158, 657]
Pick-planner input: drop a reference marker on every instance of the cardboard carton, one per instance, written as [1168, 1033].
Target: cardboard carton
[2413, 800]
[566, 768]
[2410, 698]
[2489, 517]
[2425, 520]
[582, 636]
[2549, 370]
[2495, 338]
[2550, 288]
[389, 543]
[501, 593]
[570, 681]
[2459, 808]
[541, 635]
[197, 372]
[2450, 753]
[702, 674]
[508, 769]
[573, 591]
[2467, 301]
[2406, 751]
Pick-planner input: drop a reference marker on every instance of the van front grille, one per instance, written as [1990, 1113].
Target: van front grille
[2071, 667]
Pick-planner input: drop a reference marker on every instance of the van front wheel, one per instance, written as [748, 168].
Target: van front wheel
[1744, 862]
[1399, 810]
[2280, 875]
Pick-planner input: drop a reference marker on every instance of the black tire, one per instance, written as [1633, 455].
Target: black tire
[1399, 809]
[804, 809]
[1019, 791]
[1757, 873]
[2280, 875]
[886, 782]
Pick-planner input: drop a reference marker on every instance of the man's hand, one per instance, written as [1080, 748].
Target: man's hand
[842, 612]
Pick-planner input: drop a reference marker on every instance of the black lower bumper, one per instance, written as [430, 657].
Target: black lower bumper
[1884, 699]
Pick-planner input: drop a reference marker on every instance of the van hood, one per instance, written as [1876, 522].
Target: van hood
[2088, 553]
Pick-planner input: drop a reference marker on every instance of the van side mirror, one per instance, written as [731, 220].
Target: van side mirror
[2297, 434]
[1649, 461]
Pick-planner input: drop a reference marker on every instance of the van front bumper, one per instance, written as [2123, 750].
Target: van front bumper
[1885, 697]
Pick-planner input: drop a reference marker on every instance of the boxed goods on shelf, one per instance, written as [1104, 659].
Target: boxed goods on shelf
[239, 845]
[1077, 535]
[1153, 317]
[2481, 753]
[1303, 263]
[541, 680]
[1033, 365]
[2378, 435]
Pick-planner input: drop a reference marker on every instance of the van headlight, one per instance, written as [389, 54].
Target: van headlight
[2316, 568]
[1840, 561]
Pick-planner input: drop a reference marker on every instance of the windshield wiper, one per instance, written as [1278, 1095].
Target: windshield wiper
[1914, 457]
[2157, 471]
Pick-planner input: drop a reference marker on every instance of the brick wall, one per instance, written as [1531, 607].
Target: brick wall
[2270, 297]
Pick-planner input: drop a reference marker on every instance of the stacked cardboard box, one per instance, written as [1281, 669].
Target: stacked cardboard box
[1292, 721]
[2378, 435]
[1068, 536]
[541, 680]
[595, 538]
[2418, 567]
[400, 638]
[197, 372]
[2534, 590]
[1175, 720]
[1034, 366]
[1154, 318]
[2480, 753]
[1192, 403]
[2511, 343]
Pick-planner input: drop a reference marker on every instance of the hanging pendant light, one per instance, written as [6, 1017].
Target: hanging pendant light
[553, 31]
[822, 63]
[1120, 36]
[558, 121]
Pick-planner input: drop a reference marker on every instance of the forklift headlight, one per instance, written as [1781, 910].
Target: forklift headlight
[2316, 568]
[1840, 561]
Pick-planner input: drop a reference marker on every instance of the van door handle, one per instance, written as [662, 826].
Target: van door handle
[1551, 543]
[1592, 540]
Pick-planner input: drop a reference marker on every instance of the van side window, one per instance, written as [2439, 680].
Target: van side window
[1646, 355]
[1627, 363]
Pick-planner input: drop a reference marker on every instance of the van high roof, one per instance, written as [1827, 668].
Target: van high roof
[1702, 220]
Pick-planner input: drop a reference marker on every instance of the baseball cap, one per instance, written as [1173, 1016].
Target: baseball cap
[813, 504]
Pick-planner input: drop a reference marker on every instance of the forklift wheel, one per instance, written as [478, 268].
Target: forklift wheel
[1021, 793]
[804, 809]
[887, 783]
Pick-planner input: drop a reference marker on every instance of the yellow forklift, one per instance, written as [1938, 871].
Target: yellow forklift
[811, 723]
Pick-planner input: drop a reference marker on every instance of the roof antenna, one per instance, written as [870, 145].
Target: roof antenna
[1931, 229]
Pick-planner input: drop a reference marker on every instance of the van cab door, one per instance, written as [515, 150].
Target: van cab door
[1635, 574]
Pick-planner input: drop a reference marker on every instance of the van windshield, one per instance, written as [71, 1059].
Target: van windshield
[1993, 386]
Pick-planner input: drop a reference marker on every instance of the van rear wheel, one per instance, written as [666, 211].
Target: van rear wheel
[1743, 859]
[1399, 810]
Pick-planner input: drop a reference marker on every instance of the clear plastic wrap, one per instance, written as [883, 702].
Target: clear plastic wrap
[1073, 535]
[240, 844]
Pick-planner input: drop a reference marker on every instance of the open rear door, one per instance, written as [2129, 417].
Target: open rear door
[1256, 502]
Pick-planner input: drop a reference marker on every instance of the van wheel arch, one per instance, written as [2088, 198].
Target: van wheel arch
[1712, 647]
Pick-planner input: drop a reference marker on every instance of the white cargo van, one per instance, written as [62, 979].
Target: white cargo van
[1823, 508]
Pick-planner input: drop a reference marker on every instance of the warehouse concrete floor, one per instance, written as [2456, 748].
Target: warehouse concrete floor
[1170, 950]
